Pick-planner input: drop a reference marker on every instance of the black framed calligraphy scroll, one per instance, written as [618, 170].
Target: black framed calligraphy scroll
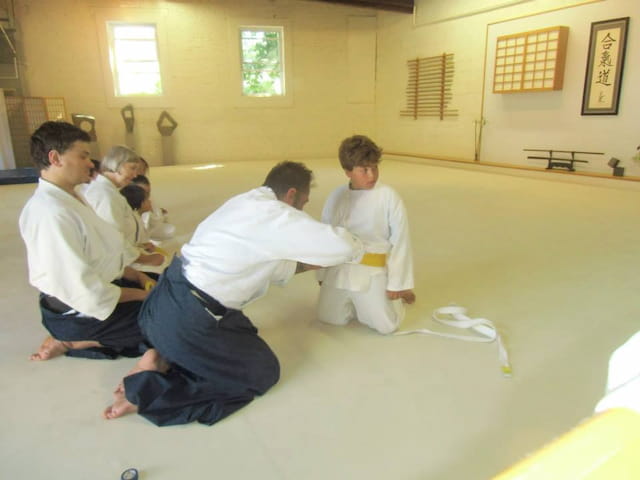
[605, 64]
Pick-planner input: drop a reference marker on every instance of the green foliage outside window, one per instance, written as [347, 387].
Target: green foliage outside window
[261, 63]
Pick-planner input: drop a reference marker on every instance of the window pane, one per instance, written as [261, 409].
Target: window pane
[262, 69]
[134, 31]
[135, 50]
[138, 67]
[134, 54]
[139, 84]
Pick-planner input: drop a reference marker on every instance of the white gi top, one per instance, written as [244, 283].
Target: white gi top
[157, 225]
[107, 201]
[254, 240]
[72, 253]
[378, 217]
[141, 233]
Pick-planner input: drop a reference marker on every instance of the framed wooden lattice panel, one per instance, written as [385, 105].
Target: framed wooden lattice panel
[428, 92]
[530, 61]
[25, 115]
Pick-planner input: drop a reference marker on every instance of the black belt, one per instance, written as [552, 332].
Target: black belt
[207, 300]
[53, 304]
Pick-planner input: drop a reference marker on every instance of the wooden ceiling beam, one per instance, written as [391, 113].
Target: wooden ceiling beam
[402, 6]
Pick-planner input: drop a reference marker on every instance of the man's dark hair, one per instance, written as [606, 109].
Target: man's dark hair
[358, 151]
[141, 180]
[286, 175]
[134, 194]
[58, 136]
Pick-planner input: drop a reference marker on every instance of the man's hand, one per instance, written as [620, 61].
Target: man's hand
[145, 281]
[148, 247]
[407, 296]
[132, 295]
[151, 259]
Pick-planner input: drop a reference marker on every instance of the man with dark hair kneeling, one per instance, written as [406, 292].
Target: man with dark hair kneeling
[89, 300]
[207, 359]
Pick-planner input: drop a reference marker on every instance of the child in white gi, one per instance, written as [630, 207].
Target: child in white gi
[138, 199]
[155, 219]
[373, 292]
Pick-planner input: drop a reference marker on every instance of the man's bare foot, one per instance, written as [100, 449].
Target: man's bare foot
[49, 349]
[119, 408]
[151, 360]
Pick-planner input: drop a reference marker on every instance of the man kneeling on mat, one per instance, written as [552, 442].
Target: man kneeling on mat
[207, 359]
[88, 299]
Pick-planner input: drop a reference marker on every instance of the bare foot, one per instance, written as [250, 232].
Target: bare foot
[151, 360]
[49, 349]
[119, 408]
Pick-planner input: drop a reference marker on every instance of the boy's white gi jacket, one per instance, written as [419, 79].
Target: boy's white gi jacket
[378, 217]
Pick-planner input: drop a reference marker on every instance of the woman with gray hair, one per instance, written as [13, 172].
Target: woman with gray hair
[118, 167]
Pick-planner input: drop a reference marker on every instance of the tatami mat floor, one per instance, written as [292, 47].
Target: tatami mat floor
[554, 265]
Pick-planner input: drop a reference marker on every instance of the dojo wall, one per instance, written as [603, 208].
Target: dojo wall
[514, 121]
[332, 74]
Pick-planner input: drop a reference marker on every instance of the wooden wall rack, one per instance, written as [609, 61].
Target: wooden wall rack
[428, 92]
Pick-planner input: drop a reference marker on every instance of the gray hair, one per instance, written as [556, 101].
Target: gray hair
[115, 157]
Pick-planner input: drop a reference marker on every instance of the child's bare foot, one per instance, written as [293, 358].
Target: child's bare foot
[49, 349]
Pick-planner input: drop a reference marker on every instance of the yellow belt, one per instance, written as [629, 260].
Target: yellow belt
[160, 251]
[374, 259]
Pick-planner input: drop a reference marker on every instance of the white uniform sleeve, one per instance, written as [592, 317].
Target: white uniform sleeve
[141, 231]
[283, 273]
[110, 211]
[59, 244]
[328, 216]
[303, 239]
[399, 259]
[114, 213]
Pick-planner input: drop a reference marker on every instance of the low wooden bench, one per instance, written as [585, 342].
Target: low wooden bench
[559, 162]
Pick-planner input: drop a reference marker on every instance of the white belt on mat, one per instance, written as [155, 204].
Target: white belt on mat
[455, 316]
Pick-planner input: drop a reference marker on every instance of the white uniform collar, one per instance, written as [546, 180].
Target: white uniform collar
[105, 181]
[264, 190]
[362, 190]
[53, 189]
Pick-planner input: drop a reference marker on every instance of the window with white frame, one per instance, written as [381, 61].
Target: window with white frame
[133, 55]
[262, 61]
